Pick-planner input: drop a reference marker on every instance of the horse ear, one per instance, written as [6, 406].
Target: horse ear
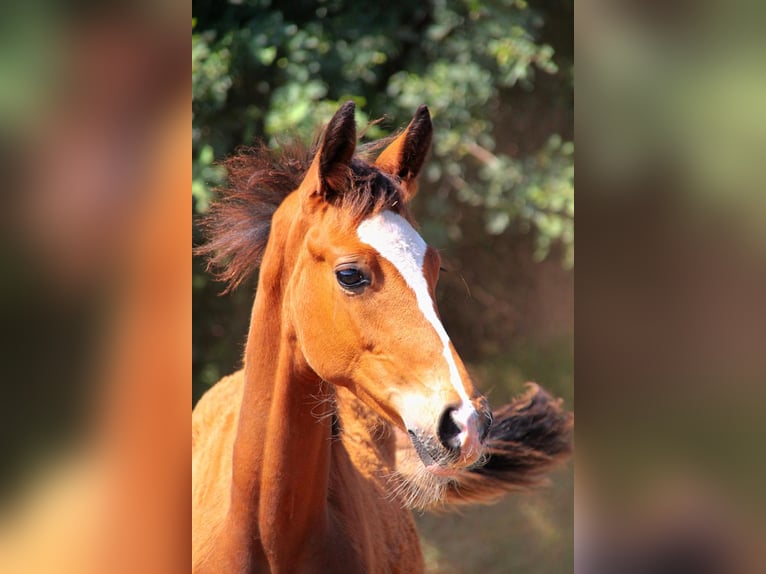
[336, 150]
[404, 157]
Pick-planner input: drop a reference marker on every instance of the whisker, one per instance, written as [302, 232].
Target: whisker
[323, 403]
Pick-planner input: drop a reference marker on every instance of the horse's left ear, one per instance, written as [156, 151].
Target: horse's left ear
[404, 157]
[329, 173]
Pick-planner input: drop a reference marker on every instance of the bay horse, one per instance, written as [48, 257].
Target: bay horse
[353, 405]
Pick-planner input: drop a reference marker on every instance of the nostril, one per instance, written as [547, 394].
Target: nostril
[449, 432]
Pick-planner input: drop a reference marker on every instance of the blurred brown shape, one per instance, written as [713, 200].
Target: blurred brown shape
[680, 527]
[671, 273]
[101, 237]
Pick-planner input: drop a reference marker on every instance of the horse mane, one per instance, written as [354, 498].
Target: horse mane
[238, 223]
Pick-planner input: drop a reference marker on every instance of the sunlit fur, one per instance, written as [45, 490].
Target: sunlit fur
[301, 462]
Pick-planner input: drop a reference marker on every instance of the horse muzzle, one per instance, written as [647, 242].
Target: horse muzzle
[458, 441]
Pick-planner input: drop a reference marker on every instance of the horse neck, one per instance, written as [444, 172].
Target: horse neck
[281, 455]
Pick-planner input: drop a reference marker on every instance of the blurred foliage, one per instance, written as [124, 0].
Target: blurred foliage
[686, 98]
[263, 70]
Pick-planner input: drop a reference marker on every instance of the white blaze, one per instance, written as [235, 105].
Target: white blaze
[397, 241]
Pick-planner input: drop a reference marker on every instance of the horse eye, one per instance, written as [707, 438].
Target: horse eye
[351, 277]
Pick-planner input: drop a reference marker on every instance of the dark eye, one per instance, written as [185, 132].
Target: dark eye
[351, 277]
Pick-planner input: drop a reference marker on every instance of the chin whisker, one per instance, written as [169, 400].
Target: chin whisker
[412, 485]
[324, 406]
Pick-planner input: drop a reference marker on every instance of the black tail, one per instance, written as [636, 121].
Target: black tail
[528, 437]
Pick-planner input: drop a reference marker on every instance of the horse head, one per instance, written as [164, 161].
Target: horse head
[359, 293]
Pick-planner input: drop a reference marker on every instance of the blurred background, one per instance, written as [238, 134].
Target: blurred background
[670, 283]
[496, 197]
[95, 304]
